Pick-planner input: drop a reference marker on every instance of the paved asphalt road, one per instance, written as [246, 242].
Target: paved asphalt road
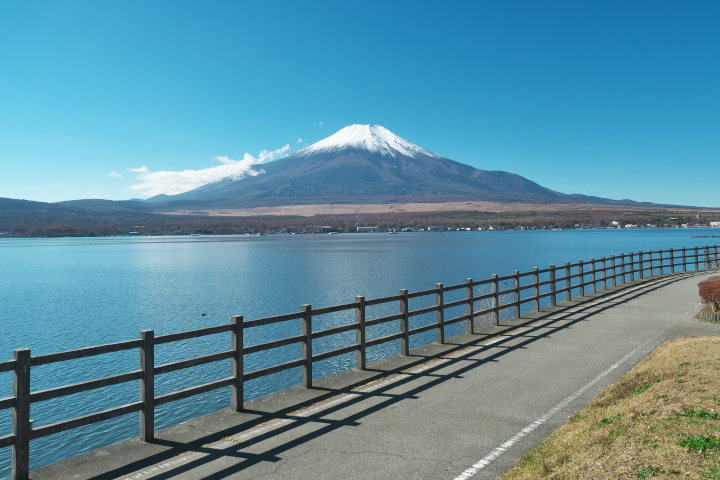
[471, 413]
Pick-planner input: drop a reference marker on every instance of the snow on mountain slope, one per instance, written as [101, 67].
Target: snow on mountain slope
[373, 138]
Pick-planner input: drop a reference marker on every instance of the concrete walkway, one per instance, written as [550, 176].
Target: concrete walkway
[468, 409]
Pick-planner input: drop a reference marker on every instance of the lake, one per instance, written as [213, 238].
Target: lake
[62, 294]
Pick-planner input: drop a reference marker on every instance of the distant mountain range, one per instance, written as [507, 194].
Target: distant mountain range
[364, 164]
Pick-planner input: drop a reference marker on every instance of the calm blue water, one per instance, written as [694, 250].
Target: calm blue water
[62, 294]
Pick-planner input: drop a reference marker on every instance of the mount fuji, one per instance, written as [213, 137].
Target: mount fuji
[366, 164]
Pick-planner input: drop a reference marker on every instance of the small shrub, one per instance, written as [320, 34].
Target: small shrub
[710, 293]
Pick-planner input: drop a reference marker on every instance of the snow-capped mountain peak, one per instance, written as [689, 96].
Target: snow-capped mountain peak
[373, 138]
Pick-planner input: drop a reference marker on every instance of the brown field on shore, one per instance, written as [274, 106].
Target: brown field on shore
[496, 207]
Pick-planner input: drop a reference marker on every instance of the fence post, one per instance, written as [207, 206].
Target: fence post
[708, 263]
[625, 267]
[470, 306]
[238, 364]
[604, 272]
[697, 259]
[553, 300]
[684, 259]
[672, 260]
[581, 267]
[632, 266]
[440, 313]
[307, 346]
[21, 415]
[707, 256]
[516, 287]
[650, 254]
[360, 353]
[659, 255]
[147, 386]
[405, 323]
[568, 287]
[613, 277]
[662, 261]
[536, 280]
[652, 263]
[496, 298]
[642, 264]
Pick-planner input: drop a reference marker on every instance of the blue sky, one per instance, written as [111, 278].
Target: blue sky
[619, 99]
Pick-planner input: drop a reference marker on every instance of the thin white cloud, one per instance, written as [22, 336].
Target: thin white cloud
[299, 140]
[101, 196]
[114, 174]
[172, 183]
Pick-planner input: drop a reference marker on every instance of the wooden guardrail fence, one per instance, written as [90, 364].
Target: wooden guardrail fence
[589, 276]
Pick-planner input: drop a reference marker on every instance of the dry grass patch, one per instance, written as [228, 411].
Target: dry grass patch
[662, 420]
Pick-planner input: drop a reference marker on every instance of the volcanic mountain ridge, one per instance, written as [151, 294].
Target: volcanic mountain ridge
[366, 164]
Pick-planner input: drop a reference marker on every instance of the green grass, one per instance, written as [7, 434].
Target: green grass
[700, 443]
[642, 389]
[647, 472]
[701, 414]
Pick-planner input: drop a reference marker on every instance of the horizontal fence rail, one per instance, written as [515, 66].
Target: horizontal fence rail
[563, 282]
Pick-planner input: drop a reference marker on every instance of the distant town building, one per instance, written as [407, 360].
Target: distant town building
[715, 224]
[323, 229]
[436, 228]
[368, 229]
